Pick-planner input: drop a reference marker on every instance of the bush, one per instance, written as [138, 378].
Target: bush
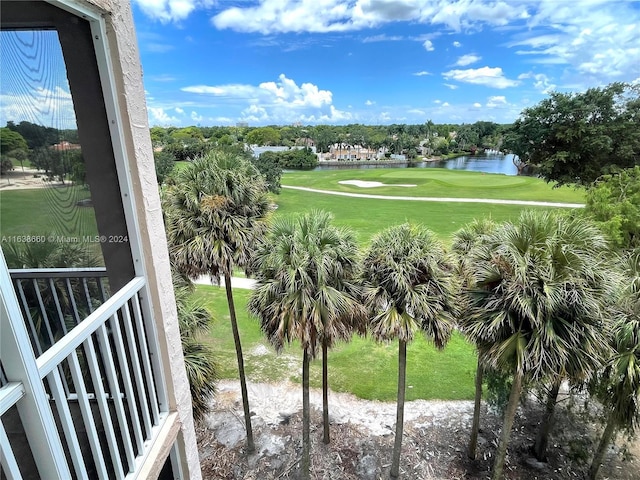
[164, 162]
[298, 159]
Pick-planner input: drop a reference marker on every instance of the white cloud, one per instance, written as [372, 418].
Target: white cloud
[369, 103]
[599, 41]
[282, 101]
[468, 59]
[422, 73]
[477, 105]
[490, 77]
[158, 116]
[457, 44]
[445, 104]
[270, 16]
[541, 82]
[382, 38]
[167, 11]
[179, 110]
[428, 46]
[496, 101]
[42, 106]
[451, 86]
[196, 118]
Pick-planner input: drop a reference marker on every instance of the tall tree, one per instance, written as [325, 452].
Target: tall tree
[164, 163]
[464, 240]
[263, 136]
[195, 321]
[618, 386]
[535, 311]
[215, 212]
[10, 140]
[269, 165]
[408, 287]
[577, 137]
[306, 290]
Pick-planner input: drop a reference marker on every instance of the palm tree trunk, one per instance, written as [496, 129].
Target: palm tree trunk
[475, 426]
[397, 444]
[509, 416]
[243, 380]
[325, 394]
[542, 438]
[607, 435]
[306, 420]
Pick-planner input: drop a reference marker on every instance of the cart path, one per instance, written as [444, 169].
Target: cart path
[531, 203]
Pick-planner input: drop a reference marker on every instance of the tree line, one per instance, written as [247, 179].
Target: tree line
[28, 142]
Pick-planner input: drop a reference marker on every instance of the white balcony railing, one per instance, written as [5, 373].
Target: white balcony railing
[94, 358]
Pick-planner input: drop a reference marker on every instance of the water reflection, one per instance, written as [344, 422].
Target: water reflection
[488, 163]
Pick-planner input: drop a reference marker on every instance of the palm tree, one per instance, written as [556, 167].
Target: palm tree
[575, 258]
[305, 271]
[409, 287]
[618, 386]
[195, 320]
[215, 212]
[536, 308]
[464, 240]
[51, 255]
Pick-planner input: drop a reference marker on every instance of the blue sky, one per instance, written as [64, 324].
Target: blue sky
[376, 61]
[219, 62]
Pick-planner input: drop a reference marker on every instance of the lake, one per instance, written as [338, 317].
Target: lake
[486, 162]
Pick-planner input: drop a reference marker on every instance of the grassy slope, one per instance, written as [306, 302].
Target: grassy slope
[361, 367]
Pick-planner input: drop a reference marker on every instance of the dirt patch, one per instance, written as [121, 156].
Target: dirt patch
[434, 446]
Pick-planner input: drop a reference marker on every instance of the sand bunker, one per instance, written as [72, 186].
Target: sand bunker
[363, 184]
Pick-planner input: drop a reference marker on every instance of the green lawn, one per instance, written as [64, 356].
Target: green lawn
[46, 210]
[367, 216]
[437, 182]
[362, 367]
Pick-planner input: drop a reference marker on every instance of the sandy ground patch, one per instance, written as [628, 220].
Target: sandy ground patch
[367, 184]
[18, 179]
[434, 445]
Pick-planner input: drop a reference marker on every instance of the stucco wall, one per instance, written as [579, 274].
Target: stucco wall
[121, 37]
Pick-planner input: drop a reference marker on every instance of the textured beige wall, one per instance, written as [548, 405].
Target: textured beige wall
[125, 58]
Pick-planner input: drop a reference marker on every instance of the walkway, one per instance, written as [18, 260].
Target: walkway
[236, 282]
[530, 203]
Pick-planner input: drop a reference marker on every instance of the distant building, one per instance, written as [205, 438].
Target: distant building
[344, 151]
[65, 146]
